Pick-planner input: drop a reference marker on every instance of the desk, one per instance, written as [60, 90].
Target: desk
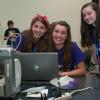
[87, 95]
[89, 80]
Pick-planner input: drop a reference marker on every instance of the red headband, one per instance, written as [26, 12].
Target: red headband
[44, 17]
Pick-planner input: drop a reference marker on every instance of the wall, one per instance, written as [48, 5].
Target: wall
[22, 11]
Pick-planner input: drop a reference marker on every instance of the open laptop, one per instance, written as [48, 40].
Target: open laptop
[38, 66]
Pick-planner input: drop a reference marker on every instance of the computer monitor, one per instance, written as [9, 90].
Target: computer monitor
[38, 66]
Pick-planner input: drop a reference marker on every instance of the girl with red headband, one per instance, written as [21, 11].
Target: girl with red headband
[28, 40]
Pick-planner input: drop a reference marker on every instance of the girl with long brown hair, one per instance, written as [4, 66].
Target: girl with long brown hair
[28, 39]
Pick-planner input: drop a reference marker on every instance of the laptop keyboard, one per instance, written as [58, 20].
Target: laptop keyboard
[35, 83]
[29, 84]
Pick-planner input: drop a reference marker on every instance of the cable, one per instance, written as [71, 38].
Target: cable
[59, 93]
[79, 90]
[19, 40]
[68, 95]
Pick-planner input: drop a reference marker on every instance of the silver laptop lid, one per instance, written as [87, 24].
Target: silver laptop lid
[38, 66]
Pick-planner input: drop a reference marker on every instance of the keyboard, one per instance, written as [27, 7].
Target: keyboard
[29, 84]
[35, 83]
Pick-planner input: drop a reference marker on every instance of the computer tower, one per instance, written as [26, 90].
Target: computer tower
[12, 72]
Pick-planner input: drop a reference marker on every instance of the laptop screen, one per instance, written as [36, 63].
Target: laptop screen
[38, 66]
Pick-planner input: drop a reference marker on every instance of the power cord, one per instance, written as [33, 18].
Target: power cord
[79, 90]
[19, 40]
[68, 95]
[58, 94]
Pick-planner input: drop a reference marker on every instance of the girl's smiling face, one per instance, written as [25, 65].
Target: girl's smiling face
[38, 29]
[89, 15]
[59, 35]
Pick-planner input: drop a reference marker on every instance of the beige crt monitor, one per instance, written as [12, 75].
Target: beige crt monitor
[12, 73]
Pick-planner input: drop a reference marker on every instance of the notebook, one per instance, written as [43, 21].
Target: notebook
[38, 66]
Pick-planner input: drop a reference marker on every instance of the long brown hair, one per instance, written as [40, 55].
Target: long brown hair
[66, 51]
[85, 27]
[29, 35]
[50, 46]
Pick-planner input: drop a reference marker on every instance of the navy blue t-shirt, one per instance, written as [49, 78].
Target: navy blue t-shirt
[91, 34]
[77, 56]
[19, 43]
[92, 38]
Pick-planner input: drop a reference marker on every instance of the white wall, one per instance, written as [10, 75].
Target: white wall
[22, 11]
